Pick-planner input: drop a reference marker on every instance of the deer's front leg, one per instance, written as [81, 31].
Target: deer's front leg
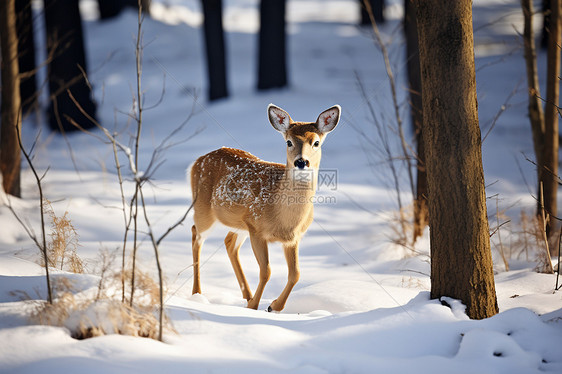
[259, 246]
[292, 257]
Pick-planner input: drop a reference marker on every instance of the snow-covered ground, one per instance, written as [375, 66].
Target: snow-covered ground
[362, 303]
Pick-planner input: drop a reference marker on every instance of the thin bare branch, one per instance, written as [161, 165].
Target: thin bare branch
[502, 109]
[43, 246]
[394, 96]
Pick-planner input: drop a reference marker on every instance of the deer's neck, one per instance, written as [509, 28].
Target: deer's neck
[299, 182]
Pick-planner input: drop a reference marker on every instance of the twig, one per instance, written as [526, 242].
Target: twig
[502, 109]
[171, 228]
[42, 247]
[394, 95]
[124, 210]
[505, 263]
[384, 139]
[498, 227]
[157, 257]
[556, 288]
[138, 59]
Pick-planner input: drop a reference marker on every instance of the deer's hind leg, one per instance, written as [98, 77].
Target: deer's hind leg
[199, 232]
[233, 242]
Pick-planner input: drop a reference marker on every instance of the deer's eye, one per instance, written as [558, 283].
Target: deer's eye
[317, 143]
[289, 143]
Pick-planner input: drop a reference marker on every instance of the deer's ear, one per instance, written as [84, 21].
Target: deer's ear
[328, 119]
[279, 119]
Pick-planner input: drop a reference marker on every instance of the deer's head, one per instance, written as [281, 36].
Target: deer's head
[304, 139]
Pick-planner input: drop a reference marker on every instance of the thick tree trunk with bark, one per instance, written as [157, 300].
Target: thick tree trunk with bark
[461, 260]
[215, 49]
[421, 212]
[272, 61]
[26, 54]
[10, 154]
[67, 67]
[548, 170]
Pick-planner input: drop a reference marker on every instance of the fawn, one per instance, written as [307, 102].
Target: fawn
[269, 202]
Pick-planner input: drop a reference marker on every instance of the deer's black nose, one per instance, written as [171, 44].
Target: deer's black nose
[301, 163]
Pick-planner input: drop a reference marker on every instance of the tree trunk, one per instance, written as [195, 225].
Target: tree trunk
[421, 212]
[10, 154]
[272, 61]
[67, 66]
[110, 8]
[545, 23]
[377, 7]
[26, 54]
[215, 49]
[536, 114]
[461, 259]
[548, 170]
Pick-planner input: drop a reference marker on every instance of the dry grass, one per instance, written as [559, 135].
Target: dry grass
[512, 239]
[62, 247]
[147, 291]
[100, 311]
[402, 227]
[525, 240]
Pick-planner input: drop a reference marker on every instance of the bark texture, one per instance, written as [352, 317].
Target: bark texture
[461, 260]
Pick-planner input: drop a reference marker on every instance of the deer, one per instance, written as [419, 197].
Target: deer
[265, 201]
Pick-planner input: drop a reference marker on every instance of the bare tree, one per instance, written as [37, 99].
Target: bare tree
[548, 169]
[110, 8]
[67, 67]
[26, 54]
[10, 157]
[215, 49]
[461, 259]
[272, 61]
[536, 113]
[544, 124]
[416, 112]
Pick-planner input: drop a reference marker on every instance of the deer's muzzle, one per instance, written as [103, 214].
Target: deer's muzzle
[301, 163]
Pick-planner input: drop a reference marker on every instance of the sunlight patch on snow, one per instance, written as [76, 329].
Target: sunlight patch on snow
[323, 11]
[491, 48]
[176, 14]
[242, 19]
[89, 10]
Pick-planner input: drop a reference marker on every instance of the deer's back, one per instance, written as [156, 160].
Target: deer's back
[236, 185]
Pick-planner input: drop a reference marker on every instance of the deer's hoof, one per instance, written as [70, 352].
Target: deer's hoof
[271, 310]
